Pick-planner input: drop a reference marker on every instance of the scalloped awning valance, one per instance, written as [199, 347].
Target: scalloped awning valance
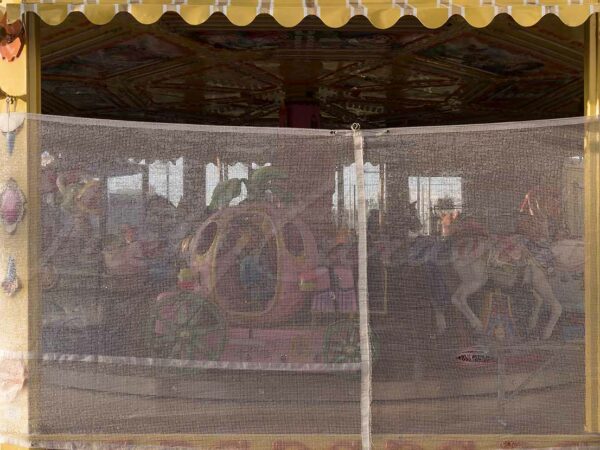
[333, 13]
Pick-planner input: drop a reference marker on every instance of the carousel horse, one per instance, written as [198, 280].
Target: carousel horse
[80, 197]
[334, 288]
[150, 248]
[428, 253]
[127, 254]
[529, 253]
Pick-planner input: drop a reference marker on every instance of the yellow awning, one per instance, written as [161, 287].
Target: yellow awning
[334, 13]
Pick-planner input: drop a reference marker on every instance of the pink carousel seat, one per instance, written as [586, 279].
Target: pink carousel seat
[338, 298]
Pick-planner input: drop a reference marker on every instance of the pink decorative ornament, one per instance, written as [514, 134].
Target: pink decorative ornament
[12, 206]
[13, 374]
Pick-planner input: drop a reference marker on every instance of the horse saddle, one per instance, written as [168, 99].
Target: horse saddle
[507, 251]
[506, 257]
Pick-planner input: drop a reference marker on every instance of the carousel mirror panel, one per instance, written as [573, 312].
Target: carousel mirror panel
[475, 271]
[196, 280]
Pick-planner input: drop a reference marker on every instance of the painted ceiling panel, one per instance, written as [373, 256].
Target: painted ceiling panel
[220, 74]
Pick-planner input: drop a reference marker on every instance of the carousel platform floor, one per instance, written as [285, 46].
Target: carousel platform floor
[408, 398]
[558, 410]
[414, 380]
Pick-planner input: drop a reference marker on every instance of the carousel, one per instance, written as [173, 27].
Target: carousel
[181, 274]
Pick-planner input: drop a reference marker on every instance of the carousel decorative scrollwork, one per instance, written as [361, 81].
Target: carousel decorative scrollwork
[12, 39]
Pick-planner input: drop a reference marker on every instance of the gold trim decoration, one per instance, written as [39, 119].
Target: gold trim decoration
[591, 177]
[309, 441]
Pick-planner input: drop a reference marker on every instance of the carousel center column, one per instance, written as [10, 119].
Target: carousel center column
[20, 296]
[592, 225]
[301, 109]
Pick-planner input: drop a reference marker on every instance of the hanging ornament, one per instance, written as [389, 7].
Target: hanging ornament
[10, 142]
[12, 206]
[12, 39]
[11, 283]
[13, 375]
[10, 122]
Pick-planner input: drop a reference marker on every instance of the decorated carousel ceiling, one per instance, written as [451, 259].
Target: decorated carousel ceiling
[220, 74]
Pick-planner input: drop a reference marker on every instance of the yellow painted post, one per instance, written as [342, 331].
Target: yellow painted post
[592, 226]
[21, 324]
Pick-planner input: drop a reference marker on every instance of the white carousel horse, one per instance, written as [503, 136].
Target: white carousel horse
[568, 283]
[470, 257]
[569, 256]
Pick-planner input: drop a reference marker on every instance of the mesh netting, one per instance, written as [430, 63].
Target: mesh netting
[212, 280]
[476, 272]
